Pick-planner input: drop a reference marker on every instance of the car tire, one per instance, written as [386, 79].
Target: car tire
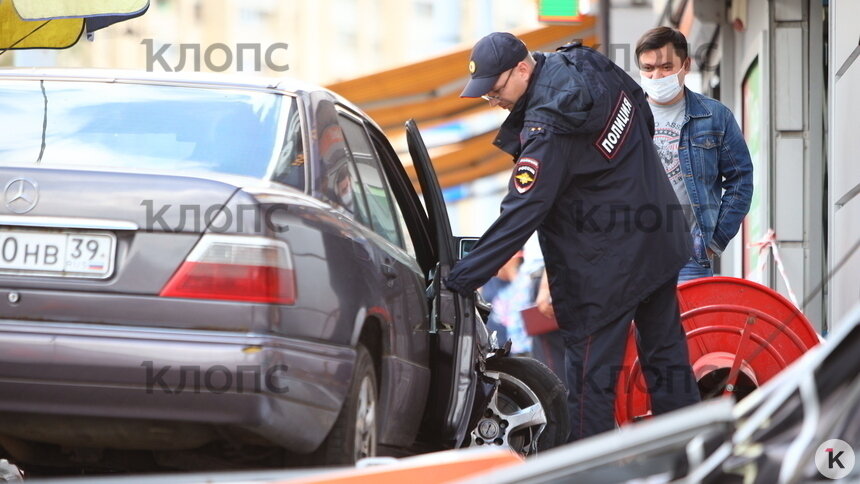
[524, 383]
[355, 432]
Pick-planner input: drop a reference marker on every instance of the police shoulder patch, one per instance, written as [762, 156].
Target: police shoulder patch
[525, 174]
[611, 140]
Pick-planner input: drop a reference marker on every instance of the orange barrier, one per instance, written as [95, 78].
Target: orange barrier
[435, 468]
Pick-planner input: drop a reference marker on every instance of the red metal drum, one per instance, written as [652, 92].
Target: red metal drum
[739, 333]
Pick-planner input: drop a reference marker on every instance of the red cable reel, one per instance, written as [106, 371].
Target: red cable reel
[739, 334]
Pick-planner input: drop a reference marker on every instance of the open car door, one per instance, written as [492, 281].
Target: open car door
[453, 317]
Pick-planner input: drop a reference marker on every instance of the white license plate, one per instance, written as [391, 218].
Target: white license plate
[57, 253]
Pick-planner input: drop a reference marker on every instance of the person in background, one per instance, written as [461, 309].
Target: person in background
[496, 287]
[701, 146]
[343, 188]
[548, 348]
[508, 303]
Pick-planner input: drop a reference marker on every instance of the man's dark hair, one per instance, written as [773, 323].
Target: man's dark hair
[657, 37]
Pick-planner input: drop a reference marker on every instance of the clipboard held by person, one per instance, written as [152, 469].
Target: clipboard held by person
[536, 323]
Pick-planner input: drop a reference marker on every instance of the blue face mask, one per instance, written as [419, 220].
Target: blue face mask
[662, 90]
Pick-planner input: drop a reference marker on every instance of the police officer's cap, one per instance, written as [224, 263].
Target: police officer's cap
[491, 56]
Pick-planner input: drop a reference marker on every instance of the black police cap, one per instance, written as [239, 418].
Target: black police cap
[491, 56]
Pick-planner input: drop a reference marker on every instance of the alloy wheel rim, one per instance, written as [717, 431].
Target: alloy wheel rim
[508, 422]
[365, 421]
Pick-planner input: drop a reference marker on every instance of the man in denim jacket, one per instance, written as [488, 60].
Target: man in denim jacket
[701, 147]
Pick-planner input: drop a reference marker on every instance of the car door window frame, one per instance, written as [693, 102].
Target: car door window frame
[407, 200]
[377, 165]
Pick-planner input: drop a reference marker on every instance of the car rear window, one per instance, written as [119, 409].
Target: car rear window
[141, 127]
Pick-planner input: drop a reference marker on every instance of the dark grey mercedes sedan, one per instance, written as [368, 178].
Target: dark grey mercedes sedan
[205, 271]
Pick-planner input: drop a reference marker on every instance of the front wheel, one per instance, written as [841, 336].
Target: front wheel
[527, 412]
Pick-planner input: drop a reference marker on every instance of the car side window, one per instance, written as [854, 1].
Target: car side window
[389, 158]
[347, 190]
[407, 238]
[383, 220]
[290, 168]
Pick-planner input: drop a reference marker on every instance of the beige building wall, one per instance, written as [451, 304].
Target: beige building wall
[328, 40]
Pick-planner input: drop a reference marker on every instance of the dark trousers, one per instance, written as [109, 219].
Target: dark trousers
[548, 348]
[594, 362]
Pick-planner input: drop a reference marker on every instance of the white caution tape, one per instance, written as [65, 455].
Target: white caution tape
[768, 242]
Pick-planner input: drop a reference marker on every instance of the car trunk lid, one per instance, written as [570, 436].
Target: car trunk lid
[101, 231]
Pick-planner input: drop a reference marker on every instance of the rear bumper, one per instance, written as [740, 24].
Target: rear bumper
[286, 391]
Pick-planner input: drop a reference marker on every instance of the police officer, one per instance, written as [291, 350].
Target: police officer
[613, 235]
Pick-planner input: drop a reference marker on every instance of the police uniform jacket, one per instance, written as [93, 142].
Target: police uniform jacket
[588, 177]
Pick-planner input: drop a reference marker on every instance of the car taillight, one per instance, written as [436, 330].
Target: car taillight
[236, 268]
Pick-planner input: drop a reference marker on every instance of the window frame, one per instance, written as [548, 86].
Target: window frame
[383, 175]
[412, 210]
[305, 137]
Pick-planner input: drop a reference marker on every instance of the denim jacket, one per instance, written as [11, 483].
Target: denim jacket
[717, 170]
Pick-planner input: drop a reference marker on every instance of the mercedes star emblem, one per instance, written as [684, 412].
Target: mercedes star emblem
[21, 195]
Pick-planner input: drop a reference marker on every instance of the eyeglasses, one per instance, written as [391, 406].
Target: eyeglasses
[485, 97]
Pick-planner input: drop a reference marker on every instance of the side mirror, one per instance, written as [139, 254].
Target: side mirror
[465, 245]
